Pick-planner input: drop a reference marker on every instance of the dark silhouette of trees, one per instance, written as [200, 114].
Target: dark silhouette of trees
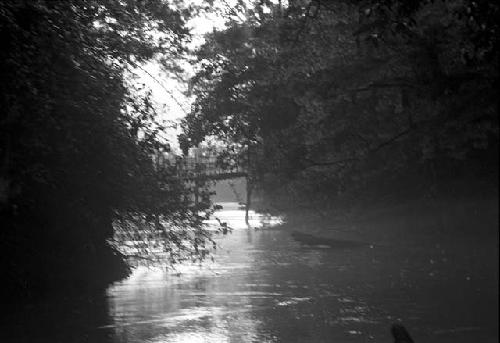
[77, 143]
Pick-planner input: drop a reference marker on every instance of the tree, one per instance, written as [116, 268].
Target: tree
[77, 143]
[342, 98]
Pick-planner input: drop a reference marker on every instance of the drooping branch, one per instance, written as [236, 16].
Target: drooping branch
[391, 140]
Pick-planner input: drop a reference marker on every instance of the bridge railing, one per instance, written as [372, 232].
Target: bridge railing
[205, 168]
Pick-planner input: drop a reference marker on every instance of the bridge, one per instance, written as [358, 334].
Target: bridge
[203, 172]
[205, 168]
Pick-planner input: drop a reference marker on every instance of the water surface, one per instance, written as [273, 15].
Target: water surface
[265, 285]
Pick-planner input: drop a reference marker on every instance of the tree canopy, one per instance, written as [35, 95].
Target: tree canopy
[339, 98]
[77, 142]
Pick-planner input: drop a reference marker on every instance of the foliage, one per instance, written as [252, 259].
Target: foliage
[77, 143]
[339, 98]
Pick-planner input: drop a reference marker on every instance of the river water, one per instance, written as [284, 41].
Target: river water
[265, 286]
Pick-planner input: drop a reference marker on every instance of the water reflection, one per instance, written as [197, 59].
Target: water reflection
[265, 286]
[233, 214]
[215, 301]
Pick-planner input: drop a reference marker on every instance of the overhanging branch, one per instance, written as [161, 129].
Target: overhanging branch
[343, 161]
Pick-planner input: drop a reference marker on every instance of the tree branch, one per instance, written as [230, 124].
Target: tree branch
[391, 140]
[313, 163]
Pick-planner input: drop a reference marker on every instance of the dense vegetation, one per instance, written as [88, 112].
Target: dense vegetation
[327, 101]
[340, 102]
[76, 141]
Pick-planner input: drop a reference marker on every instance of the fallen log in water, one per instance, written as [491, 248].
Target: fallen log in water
[309, 239]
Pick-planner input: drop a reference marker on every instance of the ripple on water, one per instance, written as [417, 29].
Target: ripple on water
[266, 287]
[292, 301]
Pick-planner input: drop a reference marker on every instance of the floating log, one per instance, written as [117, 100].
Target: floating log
[309, 239]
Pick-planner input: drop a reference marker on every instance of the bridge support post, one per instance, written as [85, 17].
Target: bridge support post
[249, 201]
[249, 186]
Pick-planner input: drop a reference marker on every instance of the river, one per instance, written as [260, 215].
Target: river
[265, 286]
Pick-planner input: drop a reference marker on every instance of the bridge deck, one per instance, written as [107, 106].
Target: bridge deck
[215, 176]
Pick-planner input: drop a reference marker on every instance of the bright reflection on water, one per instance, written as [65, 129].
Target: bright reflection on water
[216, 301]
[233, 214]
[263, 286]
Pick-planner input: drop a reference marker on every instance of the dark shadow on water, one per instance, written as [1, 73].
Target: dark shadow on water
[68, 319]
